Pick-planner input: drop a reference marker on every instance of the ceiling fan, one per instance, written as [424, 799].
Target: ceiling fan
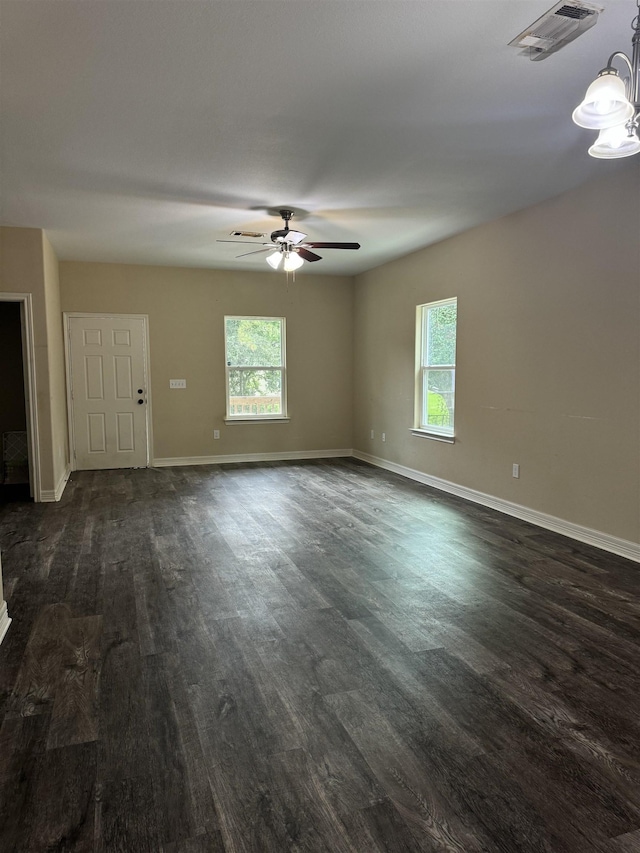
[290, 246]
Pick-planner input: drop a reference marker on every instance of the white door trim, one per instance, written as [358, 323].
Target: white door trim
[29, 368]
[106, 315]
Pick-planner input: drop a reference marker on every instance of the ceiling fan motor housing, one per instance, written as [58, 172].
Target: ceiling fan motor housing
[280, 235]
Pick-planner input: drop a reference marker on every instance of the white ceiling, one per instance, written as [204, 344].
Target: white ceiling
[141, 131]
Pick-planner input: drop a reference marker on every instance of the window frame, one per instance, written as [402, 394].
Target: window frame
[422, 367]
[247, 417]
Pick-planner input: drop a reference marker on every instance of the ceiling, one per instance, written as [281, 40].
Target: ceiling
[142, 131]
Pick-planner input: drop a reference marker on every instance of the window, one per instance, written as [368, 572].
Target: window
[255, 356]
[436, 366]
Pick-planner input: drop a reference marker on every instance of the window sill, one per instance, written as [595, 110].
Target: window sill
[257, 420]
[423, 433]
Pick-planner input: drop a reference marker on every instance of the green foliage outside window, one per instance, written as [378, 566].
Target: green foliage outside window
[441, 335]
[254, 343]
[437, 411]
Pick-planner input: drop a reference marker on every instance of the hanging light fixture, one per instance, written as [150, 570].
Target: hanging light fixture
[613, 142]
[292, 261]
[612, 104]
[274, 259]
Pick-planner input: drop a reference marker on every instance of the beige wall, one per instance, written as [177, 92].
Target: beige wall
[22, 270]
[186, 309]
[548, 356]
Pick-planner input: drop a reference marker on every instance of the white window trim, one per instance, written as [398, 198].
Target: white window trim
[283, 416]
[256, 419]
[419, 429]
[425, 433]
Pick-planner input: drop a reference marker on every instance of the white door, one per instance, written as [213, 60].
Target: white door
[109, 392]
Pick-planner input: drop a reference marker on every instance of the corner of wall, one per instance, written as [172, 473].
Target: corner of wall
[56, 362]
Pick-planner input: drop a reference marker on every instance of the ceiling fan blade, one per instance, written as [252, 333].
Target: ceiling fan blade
[316, 245]
[295, 236]
[255, 252]
[307, 255]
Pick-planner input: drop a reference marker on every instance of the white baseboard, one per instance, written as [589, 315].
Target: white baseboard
[53, 495]
[622, 547]
[170, 462]
[4, 620]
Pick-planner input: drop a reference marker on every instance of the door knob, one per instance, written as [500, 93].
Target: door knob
[140, 391]
[140, 402]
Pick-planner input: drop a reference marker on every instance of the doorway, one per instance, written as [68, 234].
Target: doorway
[108, 385]
[19, 457]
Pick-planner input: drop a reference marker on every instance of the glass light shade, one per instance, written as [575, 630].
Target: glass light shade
[292, 261]
[605, 104]
[274, 259]
[614, 142]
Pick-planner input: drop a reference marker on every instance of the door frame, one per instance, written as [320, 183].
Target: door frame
[106, 315]
[31, 398]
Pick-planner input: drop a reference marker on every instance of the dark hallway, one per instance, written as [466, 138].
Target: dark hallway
[14, 458]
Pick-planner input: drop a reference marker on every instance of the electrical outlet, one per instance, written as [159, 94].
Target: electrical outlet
[372, 434]
[384, 436]
[216, 433]
[177, 383]
[516, 470]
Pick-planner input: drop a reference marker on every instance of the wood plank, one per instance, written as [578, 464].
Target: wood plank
[412, 791]
[126, 817]
[380, 827]
[347, 781]
[202, 808]
[239, 704]
[75, 710]
[23, 741]
[123, 745]
[210, 843]
[41, 670]
[60, 810]
[167, 761]
[627, 843]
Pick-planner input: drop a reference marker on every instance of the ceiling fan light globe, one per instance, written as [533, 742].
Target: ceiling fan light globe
[292, 261]
[605, 104]
[615, 142]
[274, 259]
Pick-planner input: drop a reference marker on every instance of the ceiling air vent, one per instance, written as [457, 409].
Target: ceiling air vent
[573, 12]
[563, 23]
[247, 234]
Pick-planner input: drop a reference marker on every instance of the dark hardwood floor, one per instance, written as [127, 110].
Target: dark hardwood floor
[311, 657]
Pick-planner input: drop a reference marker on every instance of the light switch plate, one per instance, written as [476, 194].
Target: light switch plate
[177, 383]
